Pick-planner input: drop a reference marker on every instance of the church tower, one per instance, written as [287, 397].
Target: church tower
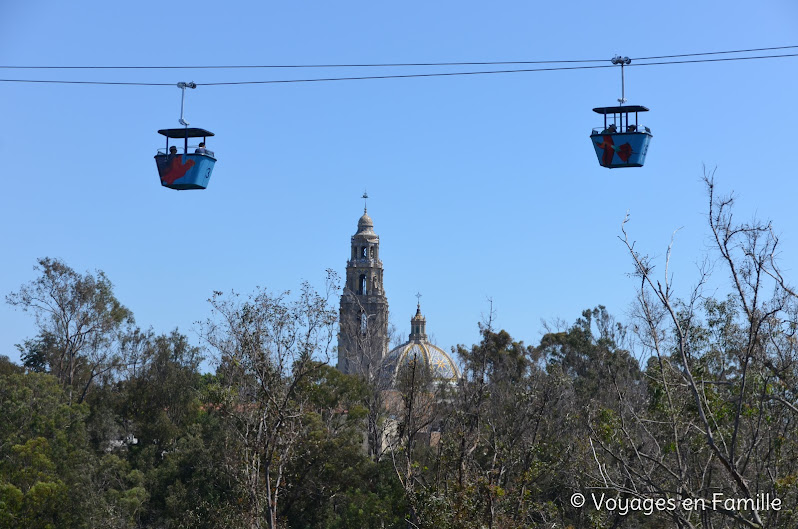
[363, 334]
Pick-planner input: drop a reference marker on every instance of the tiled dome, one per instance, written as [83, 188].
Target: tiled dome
[440, 364]
[418, 349]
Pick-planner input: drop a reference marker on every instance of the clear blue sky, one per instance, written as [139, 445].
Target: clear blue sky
[481, 186]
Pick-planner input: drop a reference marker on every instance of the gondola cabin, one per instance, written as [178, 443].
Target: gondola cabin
[183, 166]
[621, 143]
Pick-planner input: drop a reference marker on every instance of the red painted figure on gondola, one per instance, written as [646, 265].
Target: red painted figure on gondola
[609, 150]
[624, 151]
[174, 168]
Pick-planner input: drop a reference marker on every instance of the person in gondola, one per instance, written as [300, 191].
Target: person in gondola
[165, 163]
[201, 149]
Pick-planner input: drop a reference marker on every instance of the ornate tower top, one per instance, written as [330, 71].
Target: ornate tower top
[363, 336]
[365, 226]
[418, 324]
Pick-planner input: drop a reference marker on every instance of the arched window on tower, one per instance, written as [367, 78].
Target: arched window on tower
[363, 286]
[364, 323]
[364, 252]
[371, 252]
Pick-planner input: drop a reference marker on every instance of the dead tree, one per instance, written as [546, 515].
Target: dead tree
[720, 421]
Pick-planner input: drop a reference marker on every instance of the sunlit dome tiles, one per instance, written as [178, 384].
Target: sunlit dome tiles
[440, 364]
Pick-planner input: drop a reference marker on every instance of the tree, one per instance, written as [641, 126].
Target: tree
[332, 482]
[721, 410]
[367, 342]
[7, 367]
[413, 403]
[508, 435]
[268, 346]
[79, 321]
[44, 457]
[162, 399]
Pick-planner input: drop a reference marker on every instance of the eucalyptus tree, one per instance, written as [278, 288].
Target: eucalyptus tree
[267, 346]
[80, 322]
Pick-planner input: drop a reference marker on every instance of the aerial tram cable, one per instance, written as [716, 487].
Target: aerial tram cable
[445, 74]
[382, 65]
[187, 170]
[258, 66]
[404, 76]
[714, 53]
[273, 81]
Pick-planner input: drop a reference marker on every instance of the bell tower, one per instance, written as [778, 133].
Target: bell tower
[363, 334]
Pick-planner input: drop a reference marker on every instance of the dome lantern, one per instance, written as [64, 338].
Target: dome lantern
[418, 349]
[418, 325]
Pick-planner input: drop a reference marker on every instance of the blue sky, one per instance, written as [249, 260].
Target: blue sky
[480, 186]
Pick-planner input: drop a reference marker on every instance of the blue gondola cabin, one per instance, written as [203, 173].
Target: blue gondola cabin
[180, 167]
[620, 143]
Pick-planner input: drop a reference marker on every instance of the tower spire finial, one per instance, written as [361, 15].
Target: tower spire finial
[418, 324]
[365, 198]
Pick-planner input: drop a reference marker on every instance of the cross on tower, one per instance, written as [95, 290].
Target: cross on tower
[365, 198]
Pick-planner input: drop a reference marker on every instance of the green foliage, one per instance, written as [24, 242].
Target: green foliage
[79, 321]
[591, 355]
[43, 453]
[331, 483]
[276, 436]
